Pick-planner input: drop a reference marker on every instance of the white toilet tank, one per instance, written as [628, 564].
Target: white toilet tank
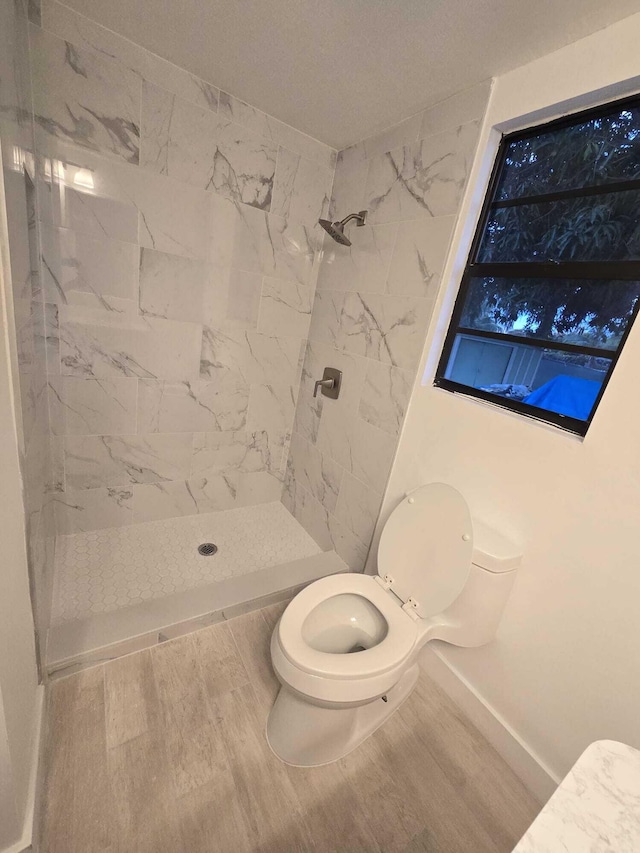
[493, 551]
[473, 618]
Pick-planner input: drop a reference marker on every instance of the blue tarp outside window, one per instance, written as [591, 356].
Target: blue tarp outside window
[566, 395]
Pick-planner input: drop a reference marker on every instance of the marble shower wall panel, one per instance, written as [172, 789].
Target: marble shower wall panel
[370, 316]
[62, 21]
[254, 241]
[79, 406]
[234, 356]
[16, 137]
[93, 461]
[426, 178]
[237, 450]
[92, 509]
[285, 308]
[281, 134]
[199, 147]
[385, 396]
[96, 343]
[302, 188]
[79, 269]
[180, 256]
[84, 97]
[190, 406]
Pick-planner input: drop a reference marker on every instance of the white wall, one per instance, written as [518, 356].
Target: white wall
[18, 675]
[564, 669]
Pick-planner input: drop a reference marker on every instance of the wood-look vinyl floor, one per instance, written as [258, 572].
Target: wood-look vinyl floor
[163, 751]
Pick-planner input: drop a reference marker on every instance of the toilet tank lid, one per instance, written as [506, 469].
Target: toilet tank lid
[493, 551]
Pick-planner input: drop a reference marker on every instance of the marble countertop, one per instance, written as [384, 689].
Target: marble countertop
[596, 809]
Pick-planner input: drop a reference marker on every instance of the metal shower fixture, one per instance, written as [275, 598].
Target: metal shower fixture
[336, 229]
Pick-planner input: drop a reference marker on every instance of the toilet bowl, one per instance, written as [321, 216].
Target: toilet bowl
[345, 649]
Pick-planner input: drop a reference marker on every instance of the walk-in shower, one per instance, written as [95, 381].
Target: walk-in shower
[162, 322]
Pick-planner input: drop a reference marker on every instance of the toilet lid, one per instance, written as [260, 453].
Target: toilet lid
[426, 547]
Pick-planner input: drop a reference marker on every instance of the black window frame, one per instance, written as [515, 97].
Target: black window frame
[578, 270]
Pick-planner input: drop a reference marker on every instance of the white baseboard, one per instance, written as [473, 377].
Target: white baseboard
[524, 762]
[27, 830]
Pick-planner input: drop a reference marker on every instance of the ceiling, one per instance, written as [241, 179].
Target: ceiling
[341, 70]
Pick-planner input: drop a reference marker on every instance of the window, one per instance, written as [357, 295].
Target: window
[551, 286]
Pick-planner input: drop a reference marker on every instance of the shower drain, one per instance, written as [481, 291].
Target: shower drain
[207, 549]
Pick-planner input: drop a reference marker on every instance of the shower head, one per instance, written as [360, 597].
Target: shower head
[336, 229]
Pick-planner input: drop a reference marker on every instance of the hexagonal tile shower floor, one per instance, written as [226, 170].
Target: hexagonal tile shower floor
[117, 567]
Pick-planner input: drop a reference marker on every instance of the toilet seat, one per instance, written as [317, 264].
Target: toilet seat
[388, 653]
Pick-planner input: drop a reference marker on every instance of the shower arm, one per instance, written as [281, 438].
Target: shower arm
[359, 216]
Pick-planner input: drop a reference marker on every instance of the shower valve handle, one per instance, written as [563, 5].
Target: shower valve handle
[329, 384]
[323, 383]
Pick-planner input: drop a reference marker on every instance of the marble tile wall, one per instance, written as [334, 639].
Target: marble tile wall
[180, 256]
[371, 313]
[25, 300]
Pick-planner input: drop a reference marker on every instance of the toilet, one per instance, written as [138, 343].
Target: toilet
[345, 649]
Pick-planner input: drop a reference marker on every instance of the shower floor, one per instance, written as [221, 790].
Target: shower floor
[119, 567]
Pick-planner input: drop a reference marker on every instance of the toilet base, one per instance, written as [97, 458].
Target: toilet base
[307, 735]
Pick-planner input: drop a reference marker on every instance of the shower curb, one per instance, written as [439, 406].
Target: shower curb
[73, 646]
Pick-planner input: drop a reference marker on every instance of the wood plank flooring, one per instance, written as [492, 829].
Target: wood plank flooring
[164, 751]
